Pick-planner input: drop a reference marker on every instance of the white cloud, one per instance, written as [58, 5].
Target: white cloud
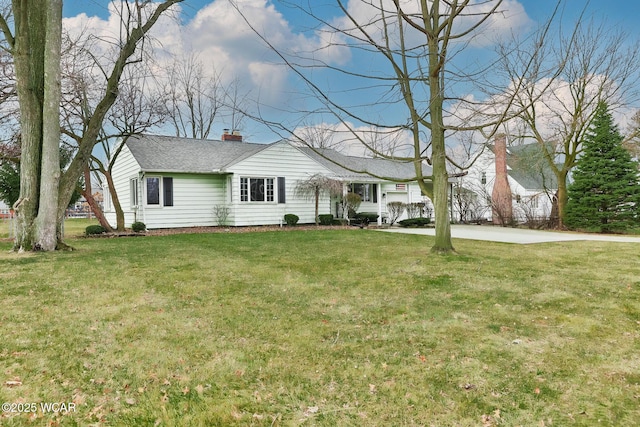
[510, 18]
[222, 40]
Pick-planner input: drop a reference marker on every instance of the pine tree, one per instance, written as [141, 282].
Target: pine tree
[605, 193]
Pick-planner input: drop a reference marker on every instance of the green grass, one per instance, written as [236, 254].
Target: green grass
[322, 328]
[72, 227]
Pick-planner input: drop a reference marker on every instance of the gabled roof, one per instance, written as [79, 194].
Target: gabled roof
[528, 167]
[185, 155]
[364, 168]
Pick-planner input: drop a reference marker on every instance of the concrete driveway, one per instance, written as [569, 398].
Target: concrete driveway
[513, 235]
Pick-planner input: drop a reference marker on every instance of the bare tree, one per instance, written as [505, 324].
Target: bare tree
[421, 84]
[235, 103]
[35, 44]
[139, 106]
[632, 139]
[193, 98]
[316, 136]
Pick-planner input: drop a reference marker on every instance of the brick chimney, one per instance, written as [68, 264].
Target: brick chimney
[233, 136]
[501, 196]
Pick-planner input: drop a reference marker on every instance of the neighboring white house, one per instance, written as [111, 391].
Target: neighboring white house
[531, 182]
[5, 212]
[169, 182]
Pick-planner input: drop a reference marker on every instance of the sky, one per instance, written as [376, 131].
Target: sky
[221, 40]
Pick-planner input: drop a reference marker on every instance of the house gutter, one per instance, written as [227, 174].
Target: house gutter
[140, 205]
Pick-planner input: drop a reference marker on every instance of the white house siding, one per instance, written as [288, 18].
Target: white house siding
[394, 192]
[279, 160]
[124, 169]
[485, 165]
[194, 199]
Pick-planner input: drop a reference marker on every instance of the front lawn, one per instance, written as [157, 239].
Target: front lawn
[72, 227]
[326, 328]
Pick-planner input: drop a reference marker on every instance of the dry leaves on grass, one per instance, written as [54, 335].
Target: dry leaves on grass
[491, 420]
[15, 382]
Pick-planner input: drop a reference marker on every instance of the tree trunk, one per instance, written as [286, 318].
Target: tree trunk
[562, 196]
[88, 195]
[28, 54]
[438, 151]
[443, 242]
[317, 195]
[115, 200]
[47, 212]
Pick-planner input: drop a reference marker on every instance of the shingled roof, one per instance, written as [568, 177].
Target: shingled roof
[364, 168]
[528, 167]
[186, 155]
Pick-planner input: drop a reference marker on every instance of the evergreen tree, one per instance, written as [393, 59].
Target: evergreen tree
[605, 193]
[9, 183]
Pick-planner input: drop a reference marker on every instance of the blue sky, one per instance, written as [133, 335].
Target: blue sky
[210, 29]
[624, 12]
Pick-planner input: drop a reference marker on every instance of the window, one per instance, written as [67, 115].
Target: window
[153, 191]
[133, 192]
[368, 192]
[257, 189]
[167, 186]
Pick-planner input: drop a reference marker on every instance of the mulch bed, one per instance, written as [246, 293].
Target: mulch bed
[202, 230]
[255, 229]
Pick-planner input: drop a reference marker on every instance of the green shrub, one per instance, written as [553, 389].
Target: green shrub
[94, 229]
[325, 219]
[415, 222]
[138, 226]
[364, 217]
[291, 219]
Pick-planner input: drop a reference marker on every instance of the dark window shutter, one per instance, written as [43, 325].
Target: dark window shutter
[282, 190]
[167, 184]
[374, 191]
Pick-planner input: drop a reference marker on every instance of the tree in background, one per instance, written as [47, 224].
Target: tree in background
[10, 179]
[632, 139]
[605, 193]
[193, 99]
[9, 183]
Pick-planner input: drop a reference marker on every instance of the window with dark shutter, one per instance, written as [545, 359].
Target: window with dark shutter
[282, 190]
[153, 191]
[167, 185]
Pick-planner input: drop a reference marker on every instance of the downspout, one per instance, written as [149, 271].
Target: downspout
[451, 202]
[345, 211]
[141, 197]
[380, 196]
